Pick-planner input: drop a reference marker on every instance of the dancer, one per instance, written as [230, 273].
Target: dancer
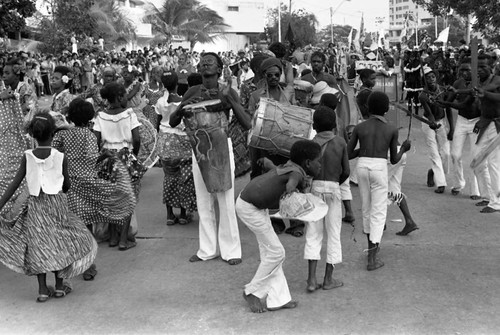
[468, 116]
[152, 92]
[435, 133]
[376, 137]
[487, 129]
[52, 238]
[60, 84]
[252, 205]
[226, 238]
[174, 151]
[117, 131]
[334, 171]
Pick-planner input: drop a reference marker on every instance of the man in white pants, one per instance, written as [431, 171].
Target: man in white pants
[223, 240]
[468, 116]
[435, 133]
[488, 128]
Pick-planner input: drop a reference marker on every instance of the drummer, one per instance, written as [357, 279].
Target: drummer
[226, 238]
[271, 68]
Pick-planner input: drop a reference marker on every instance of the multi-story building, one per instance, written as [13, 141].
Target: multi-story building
[399, 10]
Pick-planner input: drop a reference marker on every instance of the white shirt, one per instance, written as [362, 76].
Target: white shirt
[116, 130]
[165, 109]
[44, 174]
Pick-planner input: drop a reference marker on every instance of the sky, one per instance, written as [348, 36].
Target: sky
[349, 12]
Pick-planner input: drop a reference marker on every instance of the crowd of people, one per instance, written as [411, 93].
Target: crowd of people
[71, 175]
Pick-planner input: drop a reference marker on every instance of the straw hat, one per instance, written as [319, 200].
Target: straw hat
[302, 206]
[320, 88]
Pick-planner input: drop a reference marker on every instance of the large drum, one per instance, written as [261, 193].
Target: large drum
[276, 126]
[207, 131]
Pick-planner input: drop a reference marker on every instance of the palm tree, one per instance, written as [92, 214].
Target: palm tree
[111, 21]
[187, 18]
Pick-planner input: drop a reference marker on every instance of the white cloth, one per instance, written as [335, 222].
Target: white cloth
[329, 191]
[44, 174]
[345, 190]
[439, 151]
[116, 130]
[246, 75]
[394, 177]
[227, 236]
[165, 109]
[373, 188]
[269, 281]
[463, 131]
[490, 167]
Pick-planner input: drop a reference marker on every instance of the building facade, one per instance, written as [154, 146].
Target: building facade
[399, 11]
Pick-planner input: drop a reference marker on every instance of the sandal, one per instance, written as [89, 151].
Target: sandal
[90, 273]
[171, 222]
[455, 191]
[475, 197]
[482, 203]
[183, 221]
[127, 246]
[62, 292]
[45, 297]
[488, 209]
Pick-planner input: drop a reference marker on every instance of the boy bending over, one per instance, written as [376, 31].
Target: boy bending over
[334, 171]
[252, 205]
[376, 137]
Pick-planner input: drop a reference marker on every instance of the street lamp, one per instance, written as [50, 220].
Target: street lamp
[331, 15]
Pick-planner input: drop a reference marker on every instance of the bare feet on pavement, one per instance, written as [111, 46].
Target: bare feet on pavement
[234, 261]
[254, 303]
[195, 258]
[331, 284]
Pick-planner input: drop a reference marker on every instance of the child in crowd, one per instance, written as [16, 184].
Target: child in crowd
[334, 171]
[174, 150]
[252, 205]
[117, 131]
[52, 238]
[376, 137]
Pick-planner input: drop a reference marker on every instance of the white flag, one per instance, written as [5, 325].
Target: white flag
[443, 35]
[349, 40]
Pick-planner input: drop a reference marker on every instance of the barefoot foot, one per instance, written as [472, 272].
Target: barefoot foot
[334, 283]
[408, 228]
[254, 303]
[290, 304]
[313, 286]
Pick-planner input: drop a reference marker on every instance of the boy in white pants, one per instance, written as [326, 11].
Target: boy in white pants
[334, 171]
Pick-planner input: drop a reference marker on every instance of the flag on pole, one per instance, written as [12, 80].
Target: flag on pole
[443, 35]
[355, 41]
[349, 40]
[290, 36]
[362, 30]
[403, 37]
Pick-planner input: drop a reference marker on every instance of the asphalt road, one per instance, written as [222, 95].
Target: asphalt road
[441, 279]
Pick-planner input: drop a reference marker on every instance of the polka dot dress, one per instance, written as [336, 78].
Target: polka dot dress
[148, 110]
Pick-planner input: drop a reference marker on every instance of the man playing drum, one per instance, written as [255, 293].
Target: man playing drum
[271, 69]
[226, 238]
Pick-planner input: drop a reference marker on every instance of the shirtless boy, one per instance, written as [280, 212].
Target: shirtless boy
[376, 137]
[334, 171]
[252, 205]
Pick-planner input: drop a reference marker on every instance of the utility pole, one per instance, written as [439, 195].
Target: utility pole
[331, 22]
[290, 8]
[279, 20]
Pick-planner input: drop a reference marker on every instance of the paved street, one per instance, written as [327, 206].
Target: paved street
[441, 279]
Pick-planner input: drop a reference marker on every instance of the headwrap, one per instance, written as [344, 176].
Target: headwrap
[270, 62]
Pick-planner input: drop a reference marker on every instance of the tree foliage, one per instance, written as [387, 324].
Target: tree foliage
[457, 29]
[340, 34]
[84, 18]
[302, 22]
[187, 18]
[486, 12]
[13, 14]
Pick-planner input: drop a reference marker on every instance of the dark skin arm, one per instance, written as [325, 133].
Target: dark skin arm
[187, 99]
[293, 182]
[244, 118]
[424, 100]
[351, 152]
[345, 167]
[395, 154]
[136, 141]
[134, 91]
[67, 182]
[21, 173]
[449, 116]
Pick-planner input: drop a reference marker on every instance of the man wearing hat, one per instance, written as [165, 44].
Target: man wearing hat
[271, 69]
[435, 133]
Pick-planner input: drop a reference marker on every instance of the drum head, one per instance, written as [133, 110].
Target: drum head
[203, 104]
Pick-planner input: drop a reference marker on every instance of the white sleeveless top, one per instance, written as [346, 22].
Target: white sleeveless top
[116, 130]
[44, 174]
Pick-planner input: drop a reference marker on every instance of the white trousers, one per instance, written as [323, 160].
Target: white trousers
[373, 188]
[439, 151]
[345, 190]
[329, 191]
[463, 132]
[226, 237]
[492, 165]
[269, 281]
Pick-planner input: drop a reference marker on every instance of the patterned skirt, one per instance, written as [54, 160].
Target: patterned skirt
[178, 185]
[48, 238]
[239, 138]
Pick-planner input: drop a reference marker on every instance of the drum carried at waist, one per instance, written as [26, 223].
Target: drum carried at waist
[207, 131]
[276, 126]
